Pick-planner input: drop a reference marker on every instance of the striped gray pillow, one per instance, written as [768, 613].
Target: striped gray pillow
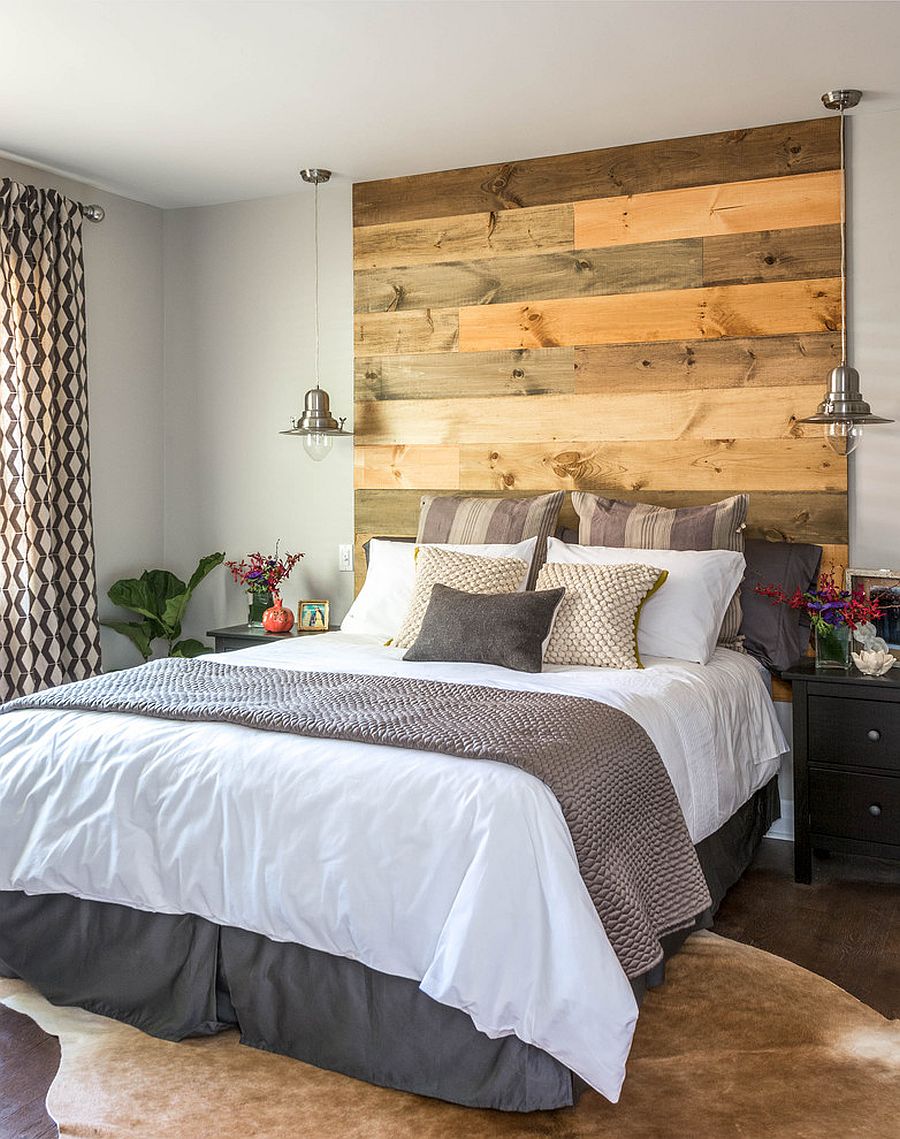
[463, 520]
[637, 525]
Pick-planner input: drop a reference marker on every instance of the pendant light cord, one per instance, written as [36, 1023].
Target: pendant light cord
[843, 247]
[316, 255]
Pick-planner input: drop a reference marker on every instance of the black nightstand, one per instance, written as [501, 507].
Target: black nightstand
[243, 636]
[846, 763]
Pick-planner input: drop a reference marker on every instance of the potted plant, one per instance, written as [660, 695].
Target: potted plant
[261, 575]
[160, 600]
[832, 612]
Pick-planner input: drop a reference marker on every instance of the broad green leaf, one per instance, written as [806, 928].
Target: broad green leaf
[140, 633]
[173, 614]
[189, 648]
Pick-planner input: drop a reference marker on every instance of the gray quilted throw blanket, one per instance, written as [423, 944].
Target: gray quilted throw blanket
[633, 847]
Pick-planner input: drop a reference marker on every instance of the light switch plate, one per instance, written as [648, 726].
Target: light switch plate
[345, 558]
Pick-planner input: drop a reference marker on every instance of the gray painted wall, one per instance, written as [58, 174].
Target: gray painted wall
[123, 283]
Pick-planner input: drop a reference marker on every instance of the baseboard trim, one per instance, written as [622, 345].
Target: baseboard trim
[783, 828]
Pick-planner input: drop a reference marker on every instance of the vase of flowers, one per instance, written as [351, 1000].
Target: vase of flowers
[833, 614]
[261, 575]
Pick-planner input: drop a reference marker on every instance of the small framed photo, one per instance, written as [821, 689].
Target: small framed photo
[313, 616]
[883, 586]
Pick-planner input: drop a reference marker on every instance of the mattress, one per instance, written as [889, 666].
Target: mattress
[458, 875]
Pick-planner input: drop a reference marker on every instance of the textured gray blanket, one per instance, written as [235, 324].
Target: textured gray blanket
[633, 848]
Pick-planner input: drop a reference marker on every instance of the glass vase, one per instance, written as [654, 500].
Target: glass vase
[833, 647]
[259, 603]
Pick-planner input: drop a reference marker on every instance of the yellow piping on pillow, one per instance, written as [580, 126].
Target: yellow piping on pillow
[663, 574]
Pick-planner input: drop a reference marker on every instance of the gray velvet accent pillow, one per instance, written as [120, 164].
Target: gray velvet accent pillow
[776, 634]
[507, 629]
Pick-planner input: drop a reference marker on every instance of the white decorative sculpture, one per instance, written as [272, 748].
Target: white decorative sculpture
[874, 662]
[865, 636]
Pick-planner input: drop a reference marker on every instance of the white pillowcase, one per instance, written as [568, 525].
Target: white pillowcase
[682, 619]
[381, 605]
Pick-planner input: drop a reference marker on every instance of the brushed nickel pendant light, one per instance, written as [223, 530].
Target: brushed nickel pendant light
[843, 411]
[317, 425]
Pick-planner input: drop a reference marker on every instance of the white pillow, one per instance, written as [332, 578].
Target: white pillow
[383, 602]
[682, 619]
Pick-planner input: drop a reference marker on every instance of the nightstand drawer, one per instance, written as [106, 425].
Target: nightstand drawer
[854, 732]
[852, 805]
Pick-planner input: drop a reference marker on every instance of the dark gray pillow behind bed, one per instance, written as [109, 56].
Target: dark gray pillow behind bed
[776, 634]
[507, 629]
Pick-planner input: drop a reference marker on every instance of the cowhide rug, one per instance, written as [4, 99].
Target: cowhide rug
[737, 1043]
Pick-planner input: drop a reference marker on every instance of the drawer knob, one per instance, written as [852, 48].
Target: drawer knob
[874, 735]
[875, 810]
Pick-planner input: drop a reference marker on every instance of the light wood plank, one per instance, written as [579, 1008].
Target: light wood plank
[775, 515]
[729, 156]
[635, 417]
[616, 468]
[440, 375]
[701, 211]
[680, 365]
[403, 333]
[480, 235]
[591, 272]
[380, 467]
[774, 255]
[769, 309]
[781, 690]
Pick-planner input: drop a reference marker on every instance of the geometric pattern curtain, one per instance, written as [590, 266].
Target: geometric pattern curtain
[48, 599]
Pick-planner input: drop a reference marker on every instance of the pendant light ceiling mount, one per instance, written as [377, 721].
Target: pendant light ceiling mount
[843, 412]
[317, 426]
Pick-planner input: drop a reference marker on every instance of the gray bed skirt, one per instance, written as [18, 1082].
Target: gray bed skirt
[177, 976]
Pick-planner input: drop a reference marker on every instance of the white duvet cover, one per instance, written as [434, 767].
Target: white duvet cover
[459, 874]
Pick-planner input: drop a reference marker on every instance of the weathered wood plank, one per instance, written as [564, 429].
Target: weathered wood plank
[680, 365]
[477, 235]
[384, 467]
[779, 516]
[729, 156]
[548, 371]
[590, 272]
[702, 211]
[769, 309]
[616, 468]
[403, 333]
[780, 255]
[634, 417]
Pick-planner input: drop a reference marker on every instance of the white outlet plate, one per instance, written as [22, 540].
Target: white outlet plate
[345, 558]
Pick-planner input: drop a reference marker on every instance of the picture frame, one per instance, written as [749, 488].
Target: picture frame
[312, 616]
[883, 584]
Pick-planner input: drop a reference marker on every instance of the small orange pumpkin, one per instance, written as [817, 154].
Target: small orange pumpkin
[278, 619]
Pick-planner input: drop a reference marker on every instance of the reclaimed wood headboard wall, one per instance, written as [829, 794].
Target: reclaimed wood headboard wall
[647, 322]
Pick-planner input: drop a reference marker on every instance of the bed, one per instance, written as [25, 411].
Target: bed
[405, 917]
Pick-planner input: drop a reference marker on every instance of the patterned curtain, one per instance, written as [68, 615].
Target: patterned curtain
[48, 606]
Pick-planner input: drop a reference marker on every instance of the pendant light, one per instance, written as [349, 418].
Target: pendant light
[317, 425]
[843, 411]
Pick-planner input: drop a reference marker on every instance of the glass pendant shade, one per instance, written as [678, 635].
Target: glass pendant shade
[317, 445]
[843, 436]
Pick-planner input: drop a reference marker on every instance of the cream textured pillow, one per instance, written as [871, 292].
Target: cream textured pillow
[467, 572]
[597, 621]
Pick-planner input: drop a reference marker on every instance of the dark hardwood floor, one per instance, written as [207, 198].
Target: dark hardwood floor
[845, 926]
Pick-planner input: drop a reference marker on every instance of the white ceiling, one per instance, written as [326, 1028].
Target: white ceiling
[188, 103]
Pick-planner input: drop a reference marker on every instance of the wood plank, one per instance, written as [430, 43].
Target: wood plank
[639, 416]
[781, 690]
[615, 468]
[778, 516]
[380, 467]
[590, 272]
[680, 365]
[701, 211]
[729, 156]
[779, 255]
[772, 308]
[402, 333]
[440, 375]
[477, 235]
